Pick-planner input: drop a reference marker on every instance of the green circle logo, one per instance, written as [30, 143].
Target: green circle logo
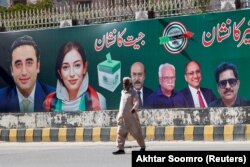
[175, 33]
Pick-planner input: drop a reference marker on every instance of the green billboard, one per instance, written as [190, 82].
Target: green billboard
[112, 48]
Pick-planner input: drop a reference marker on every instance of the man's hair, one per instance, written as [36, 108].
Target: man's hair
[25, 40]
[127, 78]
[223, 67]
[138, 63]
[193, 61]
[163, 66]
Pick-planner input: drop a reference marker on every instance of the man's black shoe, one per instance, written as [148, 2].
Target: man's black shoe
[142, 149]
[119, 152]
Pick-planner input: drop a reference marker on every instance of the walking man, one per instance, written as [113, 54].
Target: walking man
[127, 118]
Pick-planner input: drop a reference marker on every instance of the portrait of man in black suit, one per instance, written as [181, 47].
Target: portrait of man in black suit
[138, 75]
[194, 96]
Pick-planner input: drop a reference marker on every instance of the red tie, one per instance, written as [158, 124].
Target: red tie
[202, 105]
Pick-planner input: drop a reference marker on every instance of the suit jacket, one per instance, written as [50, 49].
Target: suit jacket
[9, 98]
[158, 100]
[146, 93]
[184, 98]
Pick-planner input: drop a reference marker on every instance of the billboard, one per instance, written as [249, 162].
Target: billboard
[112, 48]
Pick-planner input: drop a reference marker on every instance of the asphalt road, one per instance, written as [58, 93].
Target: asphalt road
[94, 154]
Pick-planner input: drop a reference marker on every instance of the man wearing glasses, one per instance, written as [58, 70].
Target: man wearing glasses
[228, 84]
[194, 96]
[163, 96]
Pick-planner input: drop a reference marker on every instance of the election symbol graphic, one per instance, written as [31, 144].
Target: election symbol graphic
[109, 73]
[175, 37]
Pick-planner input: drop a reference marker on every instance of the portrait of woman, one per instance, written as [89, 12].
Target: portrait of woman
[73, 92]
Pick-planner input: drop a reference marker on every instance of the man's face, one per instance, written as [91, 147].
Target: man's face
[137, 75]
[193, 75]
[24, 68]
[228, 86]
[167, 80]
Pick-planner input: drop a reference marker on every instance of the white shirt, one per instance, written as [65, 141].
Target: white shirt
[31, 99]
[195, 97]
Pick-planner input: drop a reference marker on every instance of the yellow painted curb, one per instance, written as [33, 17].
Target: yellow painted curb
[130, 137]
[96, 134]
[13, 135]
[228, 132]
[169, 133]
[79, 134]
[46, 134]
[113, 133]
[189, 133]
[150, 132]
[208, 133]
[29, 135]
[247, 132]
[62, 134]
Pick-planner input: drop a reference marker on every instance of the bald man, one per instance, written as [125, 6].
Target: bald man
[138, 73]
[194, 96]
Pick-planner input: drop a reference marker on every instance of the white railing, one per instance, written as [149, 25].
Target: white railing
[100, 12]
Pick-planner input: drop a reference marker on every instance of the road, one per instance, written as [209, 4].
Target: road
[94, 154]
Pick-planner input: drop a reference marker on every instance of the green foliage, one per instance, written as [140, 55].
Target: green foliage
[42, 4]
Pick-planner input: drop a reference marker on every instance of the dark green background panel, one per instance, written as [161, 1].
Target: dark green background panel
[152, 54]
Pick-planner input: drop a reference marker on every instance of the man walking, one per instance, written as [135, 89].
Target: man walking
[127, 118]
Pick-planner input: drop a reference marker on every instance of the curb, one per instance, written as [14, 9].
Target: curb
[151, 133]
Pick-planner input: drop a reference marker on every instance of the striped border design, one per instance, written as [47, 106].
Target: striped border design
[168, 133]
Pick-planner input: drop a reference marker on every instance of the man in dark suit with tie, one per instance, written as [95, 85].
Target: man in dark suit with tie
[138, 74]
[193, 96]
[27, 94]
